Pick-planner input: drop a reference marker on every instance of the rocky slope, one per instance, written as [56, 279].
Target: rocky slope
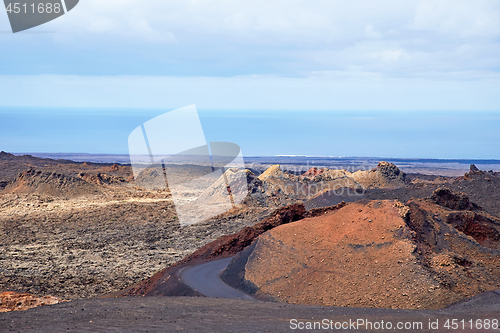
[53, 184]
[377, 254]
[276, 187]
[11, 166]
[482, 187]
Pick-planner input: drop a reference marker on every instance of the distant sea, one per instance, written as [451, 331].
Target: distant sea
[404, 134]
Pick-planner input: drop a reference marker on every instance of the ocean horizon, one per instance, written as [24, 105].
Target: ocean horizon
[403, 134]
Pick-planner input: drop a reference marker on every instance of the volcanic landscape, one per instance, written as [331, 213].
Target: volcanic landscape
[373, 237]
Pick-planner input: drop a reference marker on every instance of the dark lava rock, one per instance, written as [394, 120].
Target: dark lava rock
[391, 171]
[452, 200]
[474, 169]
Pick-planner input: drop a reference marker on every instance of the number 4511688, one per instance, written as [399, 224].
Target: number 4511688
[41, 8]
[478, 324]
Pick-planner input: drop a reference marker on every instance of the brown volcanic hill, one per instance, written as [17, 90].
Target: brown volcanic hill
[384, 175]
[11, 165]
[375, 254]
[483, 189]
[273, 171]
[167, 281]
[275, 187]
[316, 182]
[51, 183]
[335, 186]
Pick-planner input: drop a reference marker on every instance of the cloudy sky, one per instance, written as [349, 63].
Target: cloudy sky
[260, 54]
[412, 78]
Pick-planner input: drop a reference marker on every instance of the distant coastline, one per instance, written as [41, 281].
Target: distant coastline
[89, 157]
[451, 167]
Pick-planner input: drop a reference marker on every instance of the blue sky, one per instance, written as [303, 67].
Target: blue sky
[273, 55]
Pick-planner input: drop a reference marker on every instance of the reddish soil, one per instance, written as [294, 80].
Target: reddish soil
[377, 254]
[313, 172]
[12, 301]
[167, 282]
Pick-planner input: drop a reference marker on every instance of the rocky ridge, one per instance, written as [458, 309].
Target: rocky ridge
[51, 183]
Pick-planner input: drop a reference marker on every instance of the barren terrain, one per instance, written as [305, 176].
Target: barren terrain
[86, 229]
[78, 230]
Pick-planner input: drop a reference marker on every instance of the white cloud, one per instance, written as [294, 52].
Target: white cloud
[292, 37]
[259, 21]
[293, 21]
[371, 32]
[347, 46]
[390, 55]
[458, 18]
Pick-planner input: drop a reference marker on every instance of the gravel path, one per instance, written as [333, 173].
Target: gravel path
[192, 314]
